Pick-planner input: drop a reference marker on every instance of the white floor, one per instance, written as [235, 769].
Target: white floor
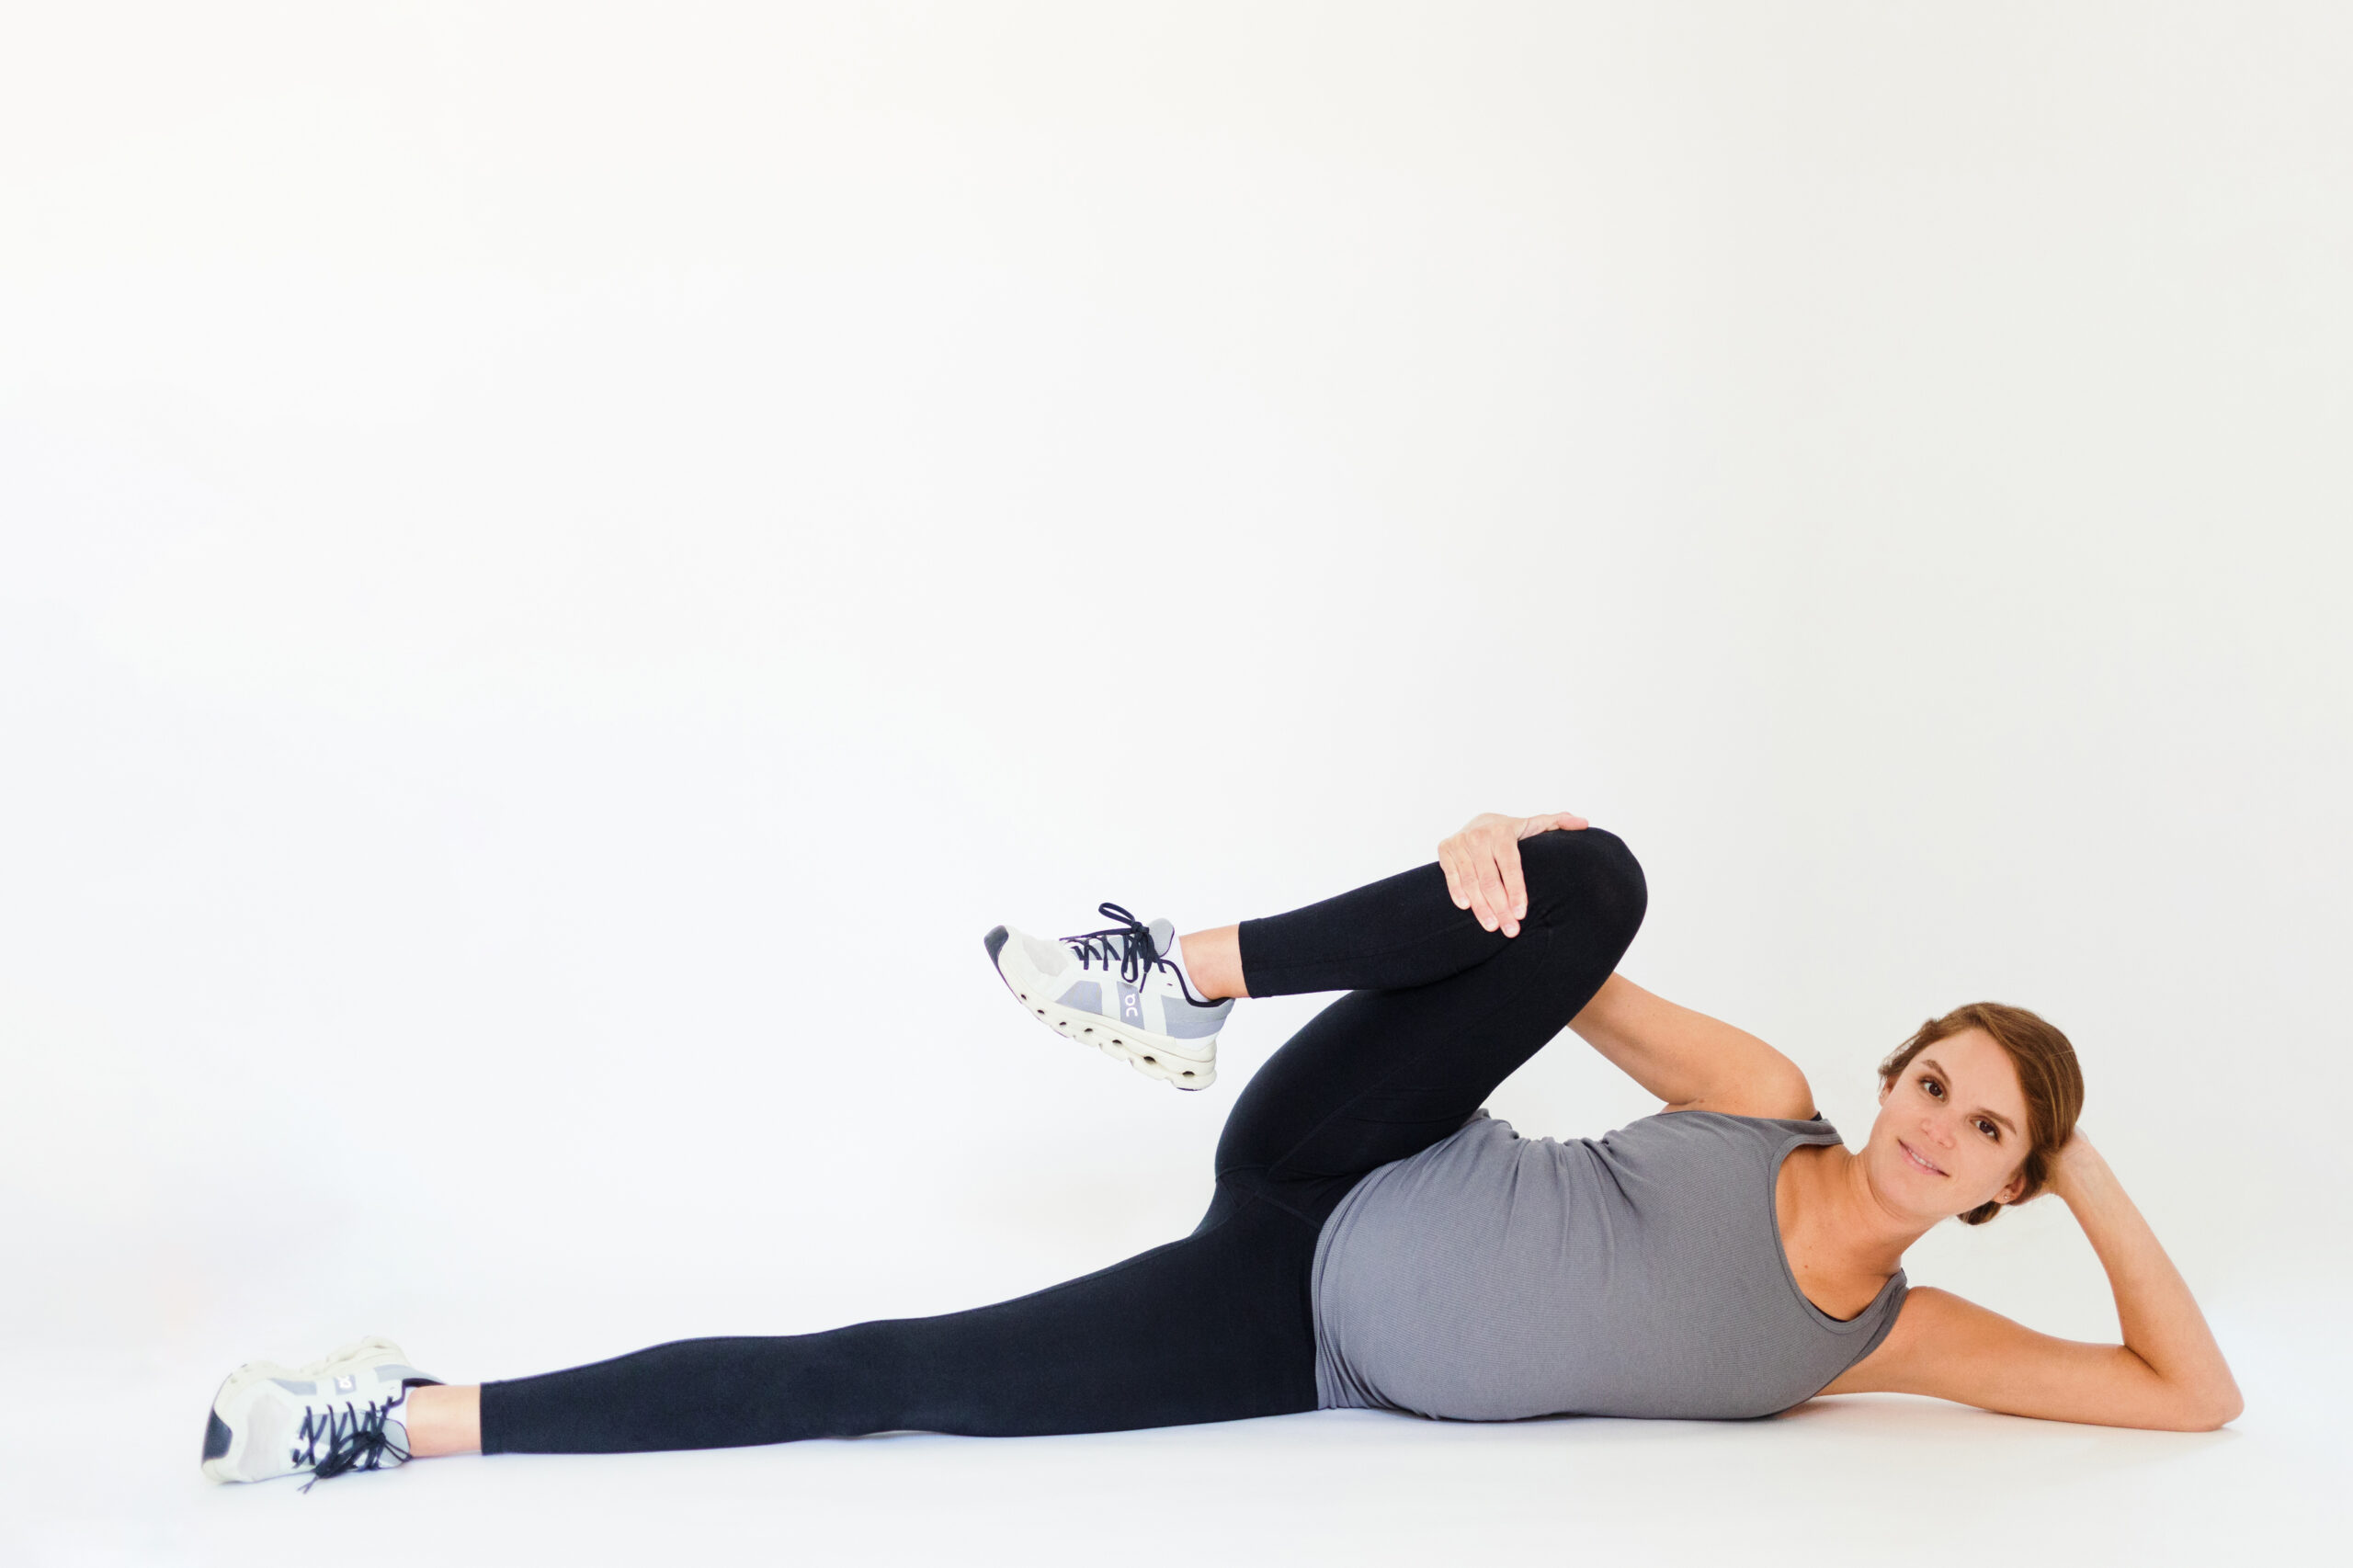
[560, 564]
[100, 1467]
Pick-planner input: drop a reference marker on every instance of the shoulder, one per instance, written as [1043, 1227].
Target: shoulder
[1930, 1326]
[1763, 1082]
[1936, 1332]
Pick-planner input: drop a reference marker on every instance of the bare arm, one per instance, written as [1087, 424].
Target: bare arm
[1689, 1060]
[2168, 1373]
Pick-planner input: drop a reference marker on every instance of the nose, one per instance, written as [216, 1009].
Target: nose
[1934, 1128]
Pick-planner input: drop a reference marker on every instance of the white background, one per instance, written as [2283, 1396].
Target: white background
[560, 564]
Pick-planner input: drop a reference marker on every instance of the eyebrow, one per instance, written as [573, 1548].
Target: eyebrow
[1988, 1115]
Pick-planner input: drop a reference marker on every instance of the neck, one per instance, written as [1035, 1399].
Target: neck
[1852, 1222]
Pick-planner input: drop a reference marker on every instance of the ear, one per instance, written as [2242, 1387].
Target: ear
[2009, 1194]
[1886, 1086]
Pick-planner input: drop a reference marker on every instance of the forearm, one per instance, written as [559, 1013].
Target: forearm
[2160, 1318]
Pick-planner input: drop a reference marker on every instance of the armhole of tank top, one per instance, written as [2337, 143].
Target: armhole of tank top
[1902, 1287]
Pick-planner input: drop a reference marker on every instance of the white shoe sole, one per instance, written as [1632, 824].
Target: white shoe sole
[1188, 1065]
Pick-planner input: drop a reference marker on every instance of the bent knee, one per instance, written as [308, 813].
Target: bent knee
[1588, 874]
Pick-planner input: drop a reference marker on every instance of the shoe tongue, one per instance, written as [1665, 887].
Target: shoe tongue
[1164, 938]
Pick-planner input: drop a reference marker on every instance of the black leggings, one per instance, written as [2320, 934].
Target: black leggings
[1216, 1326]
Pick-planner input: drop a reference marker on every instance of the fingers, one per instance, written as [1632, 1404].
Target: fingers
[1515, 888]
[1569, 820]
[1479, 878]
[1471, 880]
[1449, 861]
[1497, 911]
[1482, 867]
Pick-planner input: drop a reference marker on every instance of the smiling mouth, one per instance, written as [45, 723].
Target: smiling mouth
[1911, 1154]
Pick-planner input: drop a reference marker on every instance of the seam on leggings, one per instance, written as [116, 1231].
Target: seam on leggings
[1253, 1194]
[1377, 1083]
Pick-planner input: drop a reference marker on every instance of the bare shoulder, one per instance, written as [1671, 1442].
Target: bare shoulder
[1926, 1318]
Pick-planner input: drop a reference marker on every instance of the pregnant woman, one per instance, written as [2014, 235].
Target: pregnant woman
[1377, 1240]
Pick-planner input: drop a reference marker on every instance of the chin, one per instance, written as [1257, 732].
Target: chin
[1933, 1194]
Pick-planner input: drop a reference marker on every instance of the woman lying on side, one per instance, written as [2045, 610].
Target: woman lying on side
[1376, 1240]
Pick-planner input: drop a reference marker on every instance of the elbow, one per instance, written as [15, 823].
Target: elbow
[2223, 1411]
[2211, 1410]
[2223, 1403]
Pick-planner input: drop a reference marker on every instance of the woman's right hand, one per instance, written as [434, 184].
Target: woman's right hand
[1482, 866]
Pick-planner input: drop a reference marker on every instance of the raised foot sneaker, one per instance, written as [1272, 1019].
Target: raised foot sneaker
[1120, 990]
[341, 1413]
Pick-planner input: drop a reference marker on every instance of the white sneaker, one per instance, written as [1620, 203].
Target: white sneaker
[1118, 990]
[340, 1412]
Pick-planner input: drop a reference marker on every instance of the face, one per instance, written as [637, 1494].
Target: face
[1951, 1131]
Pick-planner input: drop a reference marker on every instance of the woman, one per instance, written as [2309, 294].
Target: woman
[1377, 1240]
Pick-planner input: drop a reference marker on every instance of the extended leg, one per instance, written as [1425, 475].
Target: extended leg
[1214, 1327]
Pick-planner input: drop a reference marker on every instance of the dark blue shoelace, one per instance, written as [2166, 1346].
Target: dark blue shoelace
[355, 1439]
[1129, 944]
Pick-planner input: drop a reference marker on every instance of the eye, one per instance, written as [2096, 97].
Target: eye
[1935, 1089]
[1988, 1129]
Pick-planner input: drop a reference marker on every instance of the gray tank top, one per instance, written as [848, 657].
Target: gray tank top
[1493, 1277]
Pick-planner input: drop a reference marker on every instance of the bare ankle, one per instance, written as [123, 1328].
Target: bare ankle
[1213, 959]
[443, 1419]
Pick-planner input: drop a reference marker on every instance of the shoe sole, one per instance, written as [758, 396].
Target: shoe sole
[1153, 1055]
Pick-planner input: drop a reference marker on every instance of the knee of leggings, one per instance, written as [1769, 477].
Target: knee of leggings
[1589, 869]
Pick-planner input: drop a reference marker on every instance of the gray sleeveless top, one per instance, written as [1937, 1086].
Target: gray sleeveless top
[1493, 1277]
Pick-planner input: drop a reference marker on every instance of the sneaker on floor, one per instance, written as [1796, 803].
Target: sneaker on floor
[1121, 990]
[342, 1412]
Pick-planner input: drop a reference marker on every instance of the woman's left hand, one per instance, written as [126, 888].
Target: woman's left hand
[1482, 864]
[2069, 1163]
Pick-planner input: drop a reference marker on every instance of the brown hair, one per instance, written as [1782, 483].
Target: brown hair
[2047, 1072]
